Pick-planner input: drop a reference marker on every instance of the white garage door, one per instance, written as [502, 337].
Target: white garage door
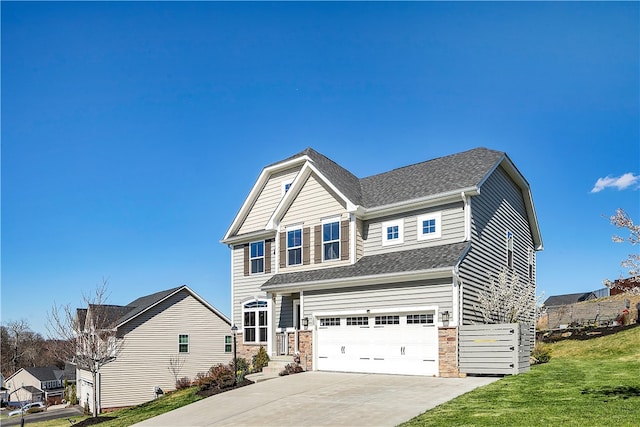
[404, 343]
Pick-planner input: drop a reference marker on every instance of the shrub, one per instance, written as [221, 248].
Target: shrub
[260, 360]
[541, 353]
[242, 368]
[221, 376]
[183, 382]
[291, 368]
[202, 380]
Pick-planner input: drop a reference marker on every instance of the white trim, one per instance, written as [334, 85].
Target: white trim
[332, 220]
[283, 185]
[286, 241]
[374, 311]
[437, 217]
[396, 222]
[264, 258]
[353, 232]
[435, 273]
[467, 216]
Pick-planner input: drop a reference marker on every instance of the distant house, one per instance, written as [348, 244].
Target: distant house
[566, 299]
[621, 286]
[376, 274]
[40, 384]
[175, 324]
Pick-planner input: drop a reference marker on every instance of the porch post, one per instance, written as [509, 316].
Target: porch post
[271, 327]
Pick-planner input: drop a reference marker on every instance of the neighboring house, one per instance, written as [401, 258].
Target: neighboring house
[40, 384]
[566, 299]
[375, 274]
[173, 327]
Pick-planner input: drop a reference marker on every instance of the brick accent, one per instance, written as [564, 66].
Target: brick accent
[448, 353]
[305, 344]
[245, 351]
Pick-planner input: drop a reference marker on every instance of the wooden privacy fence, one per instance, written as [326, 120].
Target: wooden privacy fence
[501, 349]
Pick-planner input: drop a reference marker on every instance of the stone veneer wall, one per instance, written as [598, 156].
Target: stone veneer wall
[305, 347]
[448, 353]
[246, 351]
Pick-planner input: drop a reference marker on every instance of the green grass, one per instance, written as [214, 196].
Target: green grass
[586, 383]
[135, 414]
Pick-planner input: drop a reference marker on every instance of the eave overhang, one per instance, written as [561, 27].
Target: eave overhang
[410, 276]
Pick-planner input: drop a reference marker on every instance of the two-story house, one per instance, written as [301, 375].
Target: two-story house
[157, 339]
[40, 383]
[376, 274]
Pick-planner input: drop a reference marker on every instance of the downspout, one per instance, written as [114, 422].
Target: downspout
[233, 317]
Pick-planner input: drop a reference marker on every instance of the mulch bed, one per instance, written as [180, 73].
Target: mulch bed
[214, 390]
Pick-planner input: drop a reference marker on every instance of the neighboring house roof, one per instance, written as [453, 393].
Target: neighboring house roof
[430, 260]
[556, 300]
[31, 389]
[48, 373]
[117, 315]
[444, 176]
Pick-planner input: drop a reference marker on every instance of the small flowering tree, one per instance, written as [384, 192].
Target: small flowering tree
[632, 262]
[507, 300]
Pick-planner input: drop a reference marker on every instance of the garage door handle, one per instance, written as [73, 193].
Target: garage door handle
[402, 351]
[342, 349]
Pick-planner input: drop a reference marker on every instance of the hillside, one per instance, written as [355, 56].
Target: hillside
[587, 383]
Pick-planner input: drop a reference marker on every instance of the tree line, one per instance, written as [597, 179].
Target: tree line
[21, 347]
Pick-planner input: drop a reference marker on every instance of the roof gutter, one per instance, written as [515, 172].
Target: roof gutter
[420, 203]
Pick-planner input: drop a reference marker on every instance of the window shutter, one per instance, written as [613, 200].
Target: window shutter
[344, 240]
[246, 260]
[267, 256]
[317, 244]
[283, 249]
[306, 257]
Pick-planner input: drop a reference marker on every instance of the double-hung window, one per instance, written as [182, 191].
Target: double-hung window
[294, 246]
[183, 343]
[429, 226]
[392, 232]
[257, 257]
[227, 344]
[331, 240]
[255, 321]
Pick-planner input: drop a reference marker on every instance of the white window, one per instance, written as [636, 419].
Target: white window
[227, 344]
[331, 240]
[183, 343]
[429, 226]
[392, 232]
[510, 238]
[256, 257]
[418, 319]
[387, 320]
[255, 321]
[357, 321]
[294, 246]
[286, 185]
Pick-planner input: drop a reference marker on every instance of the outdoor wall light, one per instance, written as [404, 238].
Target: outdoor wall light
[445, 316]
[305, 321]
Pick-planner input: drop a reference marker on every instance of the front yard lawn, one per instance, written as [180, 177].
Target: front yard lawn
[586, 383]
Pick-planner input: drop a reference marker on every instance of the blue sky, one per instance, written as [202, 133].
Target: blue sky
[132, 132]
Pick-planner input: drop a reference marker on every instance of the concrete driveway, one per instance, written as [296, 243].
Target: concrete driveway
[322, 399]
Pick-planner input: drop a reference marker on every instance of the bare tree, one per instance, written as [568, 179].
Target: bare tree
[507, 300]
[21, 347]
[87, 335]
[632, 262]
[175, 366]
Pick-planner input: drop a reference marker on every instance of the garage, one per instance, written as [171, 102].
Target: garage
[385, 343]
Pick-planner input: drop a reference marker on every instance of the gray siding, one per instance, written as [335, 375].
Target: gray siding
[432, 292]
[452, 230]
[151, 339]
[498, 208]
[267, 201]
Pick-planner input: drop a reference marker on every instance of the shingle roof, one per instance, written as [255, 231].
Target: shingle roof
[556, 300]
[386, 263]
[142, 303]
[437, 176]
[43, 373]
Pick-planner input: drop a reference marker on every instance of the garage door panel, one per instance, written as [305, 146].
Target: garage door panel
[395, 348]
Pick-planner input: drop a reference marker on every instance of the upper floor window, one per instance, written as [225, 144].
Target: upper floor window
[429, 226]
[255, 321]
[294, 247]
[331, 240]
[531, 258]
[392, 232]
[183, 343]
[257, 257]
[286, 185]
[510, 238]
